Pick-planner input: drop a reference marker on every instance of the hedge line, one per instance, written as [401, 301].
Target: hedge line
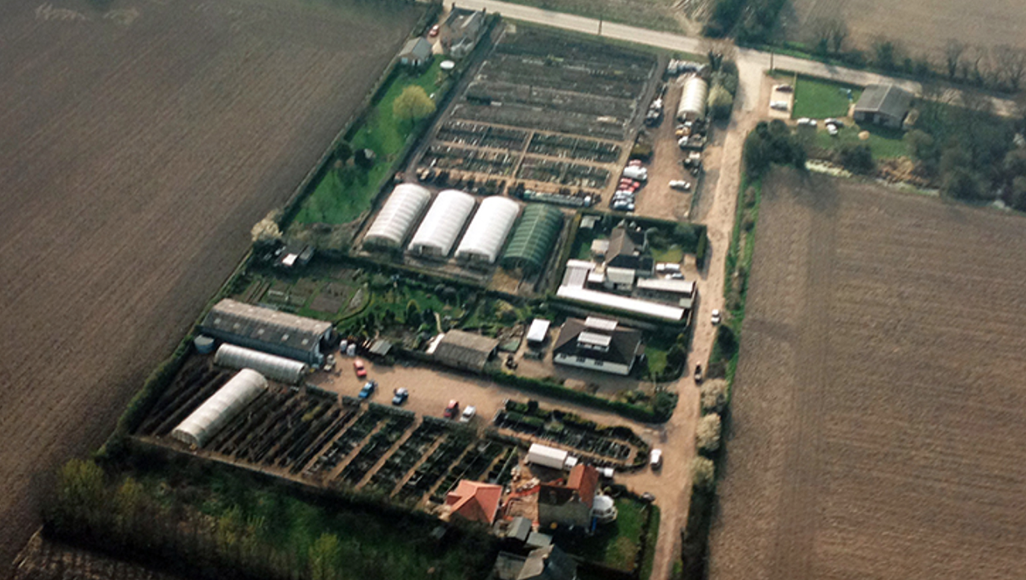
[556, 391]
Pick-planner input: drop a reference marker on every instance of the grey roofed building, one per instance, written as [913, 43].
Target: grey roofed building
[465, 350]
[548, 563]
[267, 330]
[461, 30]
[627, 247]
[415, 52]
[885, 105]
[587, 344]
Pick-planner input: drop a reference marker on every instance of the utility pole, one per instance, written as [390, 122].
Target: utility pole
[600, 26]
[771, 60]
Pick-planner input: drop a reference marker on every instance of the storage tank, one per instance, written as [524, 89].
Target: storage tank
[276, 368]
[204, 344]
[693, 99]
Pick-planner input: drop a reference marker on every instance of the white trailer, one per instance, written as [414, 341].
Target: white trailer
[550, 457]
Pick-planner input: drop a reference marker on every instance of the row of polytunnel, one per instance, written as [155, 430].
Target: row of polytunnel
[442, 224]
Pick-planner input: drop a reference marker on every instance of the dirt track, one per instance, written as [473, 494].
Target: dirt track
[876, 429]
[140, 144]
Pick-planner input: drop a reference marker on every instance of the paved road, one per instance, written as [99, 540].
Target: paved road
[750, 62]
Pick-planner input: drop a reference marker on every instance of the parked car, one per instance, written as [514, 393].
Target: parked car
[716, 318]
[785, 88]
[367, 390]
[452, 409]
[634, 163]
[836, 122]
[832, 130]
[360, 368]
[655, 458]
[468, 414]
[778, 105]
[806, 122]
[399, 396]
[434, 31]
[680, 184]
[647, 497]
[698, 373]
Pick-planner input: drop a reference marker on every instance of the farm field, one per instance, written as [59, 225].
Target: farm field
[654, 14]
[876, 423]
[141, 144]
[920, 26]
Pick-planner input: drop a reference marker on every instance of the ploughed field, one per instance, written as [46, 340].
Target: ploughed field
[142, 140]
[918, 26]
[879, 401]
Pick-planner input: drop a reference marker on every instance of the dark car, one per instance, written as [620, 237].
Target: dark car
[367, 390]
[698, 373]
[400, 396]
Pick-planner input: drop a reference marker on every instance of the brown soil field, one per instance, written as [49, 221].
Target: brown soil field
[44, 559]
[877, 417]
[918, 26]
[142, 140]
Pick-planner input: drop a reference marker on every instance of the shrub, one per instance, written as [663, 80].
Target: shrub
[720, 102]
[703, 473]
[714, 396]
[857, 158]
[707, 436]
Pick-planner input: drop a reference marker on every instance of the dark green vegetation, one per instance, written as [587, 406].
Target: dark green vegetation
[621, 544]
[771, 144]
[722, 86]
[969, 152]
[208, 521]
[750, 21]
[349, 187]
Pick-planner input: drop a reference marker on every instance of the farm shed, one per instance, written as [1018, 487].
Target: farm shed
[538, 331]
[885, 105]
[533, 238]
[692, 99]
[416, 52]
[400, 212]
[679, 292]
[623, 303]
[276, 368]
[268, 330]
[442, 224]
[487, 232]
[463, 350]
[203, 423]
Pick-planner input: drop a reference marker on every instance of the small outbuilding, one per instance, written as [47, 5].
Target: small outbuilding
[538, 331]
[463, 350]
[884, 105]
[416, 52]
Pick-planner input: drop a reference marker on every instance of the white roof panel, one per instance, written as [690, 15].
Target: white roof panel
[487, 232]
[443, 223]
[398, 215]
[623, 303]
[210, 417]
[539, 328]
[603, 324]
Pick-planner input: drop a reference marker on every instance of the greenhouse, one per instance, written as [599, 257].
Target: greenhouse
[276, 368]
[692, 99]
[202, 424]
[442, 224]
[533, 238]
[395, 219]
[488, 230]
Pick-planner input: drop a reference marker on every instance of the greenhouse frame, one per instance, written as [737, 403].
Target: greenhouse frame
[276, 368]
[442, 224]
[533, 238]
[202, 424]
[488, 231]
[400, 212]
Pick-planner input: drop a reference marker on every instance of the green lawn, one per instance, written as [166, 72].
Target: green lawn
[820, 99]
[884, 143]
[673, 254]
[343, 194]
[615, 544]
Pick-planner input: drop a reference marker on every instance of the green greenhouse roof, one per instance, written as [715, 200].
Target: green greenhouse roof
[534, 236]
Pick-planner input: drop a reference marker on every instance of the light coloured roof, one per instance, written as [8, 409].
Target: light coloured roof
[693, 97]
[577, 273]
[230, 317]
[276, 368]
[604, 324]
[686, 287]
[210, 417]
[539, 328]
[460, 348]
[594, 339]
[624, 303]
[487, 232]
[620, 275]
[403, 208]
[443, 222]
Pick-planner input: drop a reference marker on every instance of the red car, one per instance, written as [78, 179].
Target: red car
[434, 31]
[452, 409]
[361, 371]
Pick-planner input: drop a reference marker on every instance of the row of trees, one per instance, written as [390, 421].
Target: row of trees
[751, 21]
[290, 539]
[772, 143]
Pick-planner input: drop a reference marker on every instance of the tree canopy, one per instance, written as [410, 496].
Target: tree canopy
[413, 104]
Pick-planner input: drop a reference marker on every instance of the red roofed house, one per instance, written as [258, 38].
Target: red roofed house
[474, 501]
[569, 504]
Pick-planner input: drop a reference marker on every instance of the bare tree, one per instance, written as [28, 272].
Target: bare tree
[1009, 65]
[975, 65]
[838, 34]
[953, 51]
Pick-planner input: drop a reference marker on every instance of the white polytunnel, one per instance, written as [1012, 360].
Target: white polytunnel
[442, 224]
[398, 215]
[203, 423]
[276, 368]
[692, 99]
[487, 232]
